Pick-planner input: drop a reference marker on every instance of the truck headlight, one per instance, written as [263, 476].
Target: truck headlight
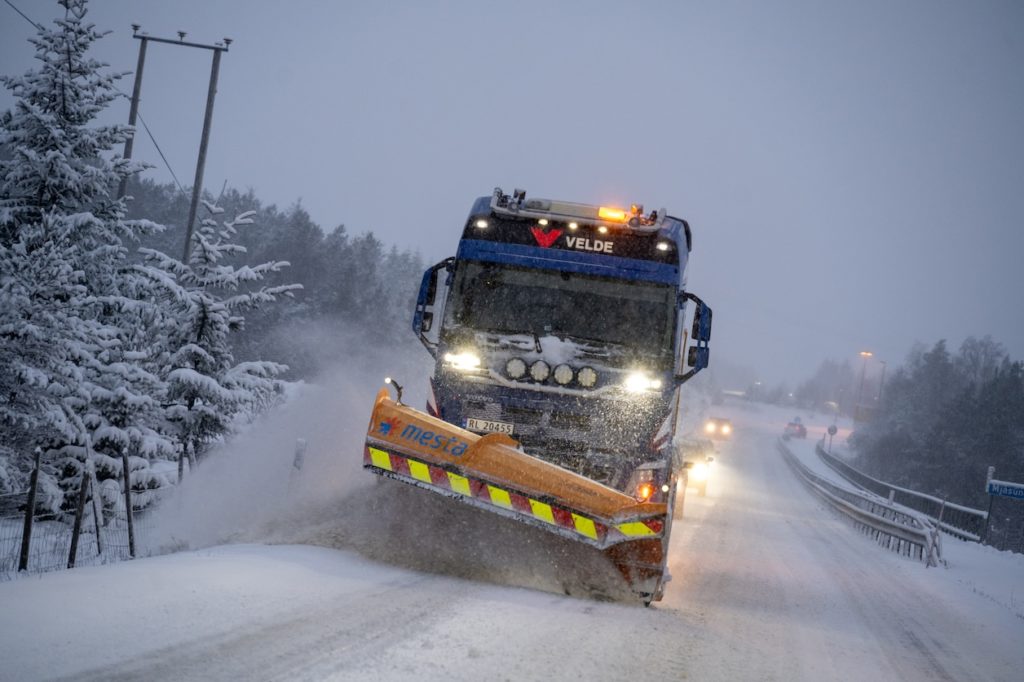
[638, 382]
[464, 361]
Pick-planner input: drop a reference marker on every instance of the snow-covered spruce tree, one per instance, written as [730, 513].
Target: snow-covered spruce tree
[206, 389]
[72, 308]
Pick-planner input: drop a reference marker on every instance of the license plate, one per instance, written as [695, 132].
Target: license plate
[488, 426]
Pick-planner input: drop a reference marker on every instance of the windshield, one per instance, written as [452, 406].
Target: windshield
[502, 298]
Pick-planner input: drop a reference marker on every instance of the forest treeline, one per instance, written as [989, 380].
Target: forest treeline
[117, 348]
[351, 284]
[940, 420]
[945, 418]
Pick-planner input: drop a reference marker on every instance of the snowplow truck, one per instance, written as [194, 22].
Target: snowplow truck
[562, 335]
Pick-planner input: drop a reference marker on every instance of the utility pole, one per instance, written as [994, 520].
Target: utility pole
[134, 111]
[197, 186]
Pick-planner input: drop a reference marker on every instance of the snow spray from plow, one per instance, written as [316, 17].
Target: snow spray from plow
[492, 473]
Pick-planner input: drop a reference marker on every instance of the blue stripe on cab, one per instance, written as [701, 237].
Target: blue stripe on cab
[568, 261]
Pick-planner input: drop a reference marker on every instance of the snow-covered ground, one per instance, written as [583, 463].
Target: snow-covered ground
[338, 577]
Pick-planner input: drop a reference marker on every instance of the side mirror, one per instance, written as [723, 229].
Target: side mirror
[698, 356]
[423, 317]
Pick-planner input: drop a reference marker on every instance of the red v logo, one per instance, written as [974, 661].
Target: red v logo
[545, 239]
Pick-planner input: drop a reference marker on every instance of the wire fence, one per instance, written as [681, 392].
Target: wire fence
[49, 548]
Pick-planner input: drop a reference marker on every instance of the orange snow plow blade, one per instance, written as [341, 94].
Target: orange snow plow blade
[492, 473]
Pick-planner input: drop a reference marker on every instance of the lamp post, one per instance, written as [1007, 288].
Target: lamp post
[865, 354]
[881, 383]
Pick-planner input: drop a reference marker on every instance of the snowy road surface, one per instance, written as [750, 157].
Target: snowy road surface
[768, 585]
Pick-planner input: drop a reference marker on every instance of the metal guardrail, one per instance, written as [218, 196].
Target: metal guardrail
[957, 520]
[899, 530]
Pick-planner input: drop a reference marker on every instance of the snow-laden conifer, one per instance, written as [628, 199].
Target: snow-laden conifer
[72, 359]
[206, 389]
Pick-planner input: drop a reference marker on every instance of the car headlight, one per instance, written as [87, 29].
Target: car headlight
[638, 382]
[563, 374]
[464, 361]
[699, 472]
[726, 429]
[515, 368]
[710, 427]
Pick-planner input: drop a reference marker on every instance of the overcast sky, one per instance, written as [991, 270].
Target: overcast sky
[853, 171]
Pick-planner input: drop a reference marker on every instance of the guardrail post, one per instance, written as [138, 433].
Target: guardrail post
[988, 478]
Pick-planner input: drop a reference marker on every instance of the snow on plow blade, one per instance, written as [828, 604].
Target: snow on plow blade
[492, 473]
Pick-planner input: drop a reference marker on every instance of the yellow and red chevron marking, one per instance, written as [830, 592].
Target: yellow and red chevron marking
[588, 529]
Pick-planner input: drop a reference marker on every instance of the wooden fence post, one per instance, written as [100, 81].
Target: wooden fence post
[128, 503]
[30, 509]
[97, 508]
[79, 512]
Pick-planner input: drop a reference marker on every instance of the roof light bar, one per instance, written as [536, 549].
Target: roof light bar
[519, 205]
[609, 213]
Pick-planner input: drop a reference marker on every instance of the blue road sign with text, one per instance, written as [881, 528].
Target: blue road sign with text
[1006, 489]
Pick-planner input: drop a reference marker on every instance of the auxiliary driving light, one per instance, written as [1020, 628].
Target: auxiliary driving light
[515, 368]
[587, 377]
[540, 370]
[563, 374]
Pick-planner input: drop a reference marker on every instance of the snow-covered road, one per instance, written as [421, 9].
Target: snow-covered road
[768, 585]
[783, 589]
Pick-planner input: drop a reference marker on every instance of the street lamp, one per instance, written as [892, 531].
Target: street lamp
[881, 383]
[860, 392]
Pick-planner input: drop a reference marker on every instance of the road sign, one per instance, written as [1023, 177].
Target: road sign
[1006, 489]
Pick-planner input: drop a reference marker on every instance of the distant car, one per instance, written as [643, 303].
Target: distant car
[697, 456]
[717, 427]
[795, 429]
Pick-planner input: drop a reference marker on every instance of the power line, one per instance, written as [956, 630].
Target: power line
[160, 151]
[148, 131]
[23, 15]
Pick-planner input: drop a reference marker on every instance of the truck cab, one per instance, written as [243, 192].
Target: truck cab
[567, 327]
